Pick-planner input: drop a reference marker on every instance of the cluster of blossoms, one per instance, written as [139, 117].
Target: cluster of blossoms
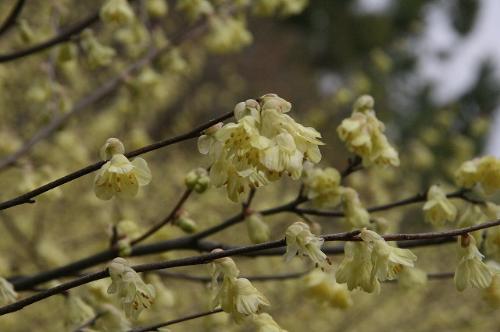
[97, 54]
[373, 260]
[483, 171]
[119, 176]
[283, 7]
[438, 209]
[134, 294]
[237, 296]
[364, 135]
[197, 180]
[300, 241]
[263, 145]
[471, 271]
[322, 286]
[117, 12]
[227, 34]
[323, 189]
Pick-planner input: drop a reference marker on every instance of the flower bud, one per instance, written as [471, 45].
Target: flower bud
[111, 147]
[258, 230]
[197, 180]
[185, 223]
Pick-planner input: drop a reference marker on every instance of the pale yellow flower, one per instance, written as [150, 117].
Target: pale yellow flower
[134, 294]
[438, 209]
[364, 135]
[121, 177]
[227, 34]
[356, 268]
[355, 214]
[258, 230]
[387, 260]
[7, 293]
[300, 241]
[266, 323]
[322, 186]
[471, 271]
[77, 312]
[117, 11]
[322, 286]
[411, 277]
[97, 54]
[484, 171]
[194, 9]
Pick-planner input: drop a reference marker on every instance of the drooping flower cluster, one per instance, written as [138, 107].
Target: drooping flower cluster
[323, 286]
[438, 209]
[227, 34]
[258, 229]
[284, 7]
[237, 296]
[78, 312]
[117, 12]
[263, 145]
[300, 241]
[367, 263]
[322, 186]
[119, 176]
[134, 294]
[265, 323]
[364, 135]
[484, 171]
[97, 54]
[471, 271]
[355, 213]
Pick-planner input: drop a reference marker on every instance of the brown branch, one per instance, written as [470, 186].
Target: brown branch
[206, 258]
[166, 220]
[98, 94]
[418, 198]
[28, 197]
[175, 321]
[257, 278]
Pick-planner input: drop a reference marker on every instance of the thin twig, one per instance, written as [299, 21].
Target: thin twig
[175, 321]
[27, 197]
[257, 278]
[12, 17]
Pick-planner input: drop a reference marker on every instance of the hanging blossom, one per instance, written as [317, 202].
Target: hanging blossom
[261, 147]
[7, 293]
[119, 176]
[236, 296]
[258, 230]
[323, 286]
[364, 135]
[491, 294]
[227, 34]
[134, 294]
[471, 271]
[77, 312]
[300, 241]
[387, 260]
[438, 209]
[117, 11]
[483, 171]
[355, 213]
[322, 186]
[355, 269]
[266, 323]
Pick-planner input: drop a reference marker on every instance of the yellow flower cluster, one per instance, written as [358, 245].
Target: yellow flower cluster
[484, 171]
[300, 241]
[322, 286]
[438, 209]
[117, 12]
[471, 271]
[322, 186]
[364, 135]
[262, 146]
[134, 294]
[227, 34]
[237, 296]
[371, 261]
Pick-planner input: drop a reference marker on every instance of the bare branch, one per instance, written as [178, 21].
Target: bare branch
[12, 17]
[175, 321]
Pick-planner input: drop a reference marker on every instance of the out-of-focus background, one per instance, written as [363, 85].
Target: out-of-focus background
[433, 68]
